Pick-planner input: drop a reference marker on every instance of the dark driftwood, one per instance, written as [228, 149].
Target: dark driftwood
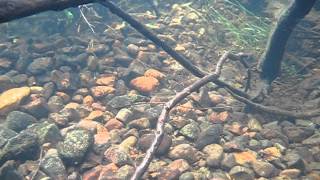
[270, 62]
[15, 9]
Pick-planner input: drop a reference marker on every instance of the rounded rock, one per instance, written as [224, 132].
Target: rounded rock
[75, 146]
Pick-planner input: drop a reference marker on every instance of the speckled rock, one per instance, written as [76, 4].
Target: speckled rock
[46, 132]
[191, 131]
[184, 151]
[145, 141]
[75, 146]
[5, 135]
[118, 156]
[125, 172]
[18, 121]
[55, 104]
[53, 166]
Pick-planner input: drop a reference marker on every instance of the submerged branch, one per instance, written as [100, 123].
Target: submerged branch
[15, 9]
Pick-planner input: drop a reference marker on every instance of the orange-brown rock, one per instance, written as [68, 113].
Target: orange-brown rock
[10, 99]
[154, 73]
[113, 124]
[65, 97]
[88, 100]
[100, 91]
[72, 106]
[92, 174]
[144, 84]
[219, 117]
[108, 171]
[245, 157]
[98, 106]
[271, 153]
[88, 124]
[95, 115]
[106, 80]
[102, 136]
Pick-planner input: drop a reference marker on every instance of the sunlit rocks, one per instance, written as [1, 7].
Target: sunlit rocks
[144, 84]
[10, 99]
[245, 157]
[100, 91]
[271, 153]
[154, 73]
[106, 80]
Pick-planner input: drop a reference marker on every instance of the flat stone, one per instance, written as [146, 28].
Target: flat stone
[10, 99]
[298, 134]
[290, 173]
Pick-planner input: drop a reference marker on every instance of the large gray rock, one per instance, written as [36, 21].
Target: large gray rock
[23, 146]
[5, 135]
[18, 121]
[211, 135]
[46, 132]
[75, 146]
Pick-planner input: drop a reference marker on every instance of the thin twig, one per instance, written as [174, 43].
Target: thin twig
[85, 19]
[38, 168]
[164, 116]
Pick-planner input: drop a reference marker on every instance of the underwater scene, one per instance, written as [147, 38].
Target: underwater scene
[160, 90]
